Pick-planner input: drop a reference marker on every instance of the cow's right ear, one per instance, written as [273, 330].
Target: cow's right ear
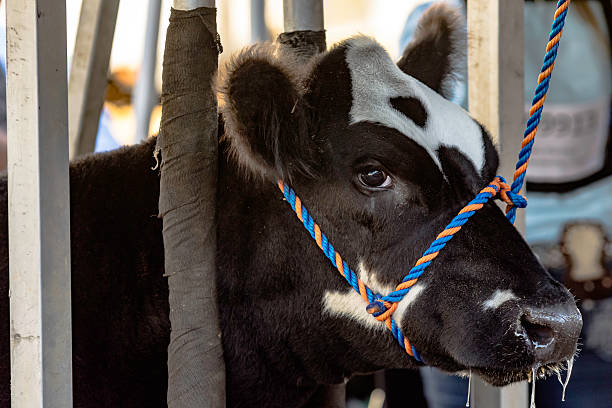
[436, 54]
[266, 118]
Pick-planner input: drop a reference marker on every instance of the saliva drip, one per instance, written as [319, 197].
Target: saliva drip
[533, 381]
[467, 404]
[570, 364]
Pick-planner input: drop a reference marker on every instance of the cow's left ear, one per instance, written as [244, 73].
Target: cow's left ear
[266, 117]
[437, 52]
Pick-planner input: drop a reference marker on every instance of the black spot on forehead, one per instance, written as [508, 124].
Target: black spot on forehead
[412, 108]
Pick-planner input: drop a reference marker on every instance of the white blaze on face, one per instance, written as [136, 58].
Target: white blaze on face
[498, 298]
[376, 79]
[350, 304]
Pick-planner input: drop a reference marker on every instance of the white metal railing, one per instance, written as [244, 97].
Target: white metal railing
[38, 206]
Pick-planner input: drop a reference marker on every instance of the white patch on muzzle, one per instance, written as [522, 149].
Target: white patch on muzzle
[350, 304]
[498, 298]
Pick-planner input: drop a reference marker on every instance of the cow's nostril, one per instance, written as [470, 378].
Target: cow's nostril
[540, 336]
[552, 331]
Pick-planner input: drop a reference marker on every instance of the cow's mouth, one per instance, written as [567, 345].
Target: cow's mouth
[500, 377]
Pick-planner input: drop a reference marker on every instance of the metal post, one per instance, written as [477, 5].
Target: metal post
[38, 205]
[145, 94]
[89, 73]
[259, 30]
[192, 4]
[301, 15]
[496, 99]
[303, 25]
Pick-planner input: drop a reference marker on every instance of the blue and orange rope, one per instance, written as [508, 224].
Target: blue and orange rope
[382, 307]
[537, 104]
[336, 259]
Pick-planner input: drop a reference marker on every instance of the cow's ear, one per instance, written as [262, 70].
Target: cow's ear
[436, 54]
[266, 117]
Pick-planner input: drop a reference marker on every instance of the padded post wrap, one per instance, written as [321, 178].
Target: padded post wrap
[188, 145]
[305, 44]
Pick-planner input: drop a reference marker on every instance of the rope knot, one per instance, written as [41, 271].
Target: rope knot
[508, 196]
[376, 308]
[381, 309]
[514, 200]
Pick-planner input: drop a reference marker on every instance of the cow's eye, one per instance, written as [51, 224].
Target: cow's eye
[374, 178]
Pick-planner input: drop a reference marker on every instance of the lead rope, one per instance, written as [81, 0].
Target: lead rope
[382, 307]
[537, 104]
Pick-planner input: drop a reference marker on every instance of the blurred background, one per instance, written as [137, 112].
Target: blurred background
[382, 19]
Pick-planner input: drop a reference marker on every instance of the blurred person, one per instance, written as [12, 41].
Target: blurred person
[569, 184]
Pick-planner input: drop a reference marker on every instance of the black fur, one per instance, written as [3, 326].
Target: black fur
[268, 116]
[119, 296]
[387, 231]
[280, 343]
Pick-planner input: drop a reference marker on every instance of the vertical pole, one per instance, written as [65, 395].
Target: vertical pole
[145, 94]
[259, 31]
[38, 205]
[496, 99]
[304, 28]
[89, 73]
[303, 15]
[187, 144]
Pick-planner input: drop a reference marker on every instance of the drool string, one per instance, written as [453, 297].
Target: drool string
[467, 404]
[533, 381]
[570, 365]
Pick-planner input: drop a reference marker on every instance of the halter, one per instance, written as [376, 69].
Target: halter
[382, 306]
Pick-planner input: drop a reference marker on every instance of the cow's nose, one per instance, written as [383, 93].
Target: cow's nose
[552, 331]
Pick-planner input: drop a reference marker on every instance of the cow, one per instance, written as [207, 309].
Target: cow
[383, 162]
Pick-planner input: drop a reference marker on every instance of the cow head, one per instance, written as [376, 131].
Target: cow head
[383, 161]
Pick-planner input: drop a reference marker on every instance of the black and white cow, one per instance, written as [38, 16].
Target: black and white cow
[383, 162]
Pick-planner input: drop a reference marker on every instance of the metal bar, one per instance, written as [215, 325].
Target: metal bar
[496, 99]
[303, 15]
[145, 94]
[304, 32]
[259, 30]
[89, 73]
[192, 4]
[38, 205]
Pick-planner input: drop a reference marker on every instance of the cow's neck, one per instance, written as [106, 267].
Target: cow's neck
[270, 345]
[263, 373]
